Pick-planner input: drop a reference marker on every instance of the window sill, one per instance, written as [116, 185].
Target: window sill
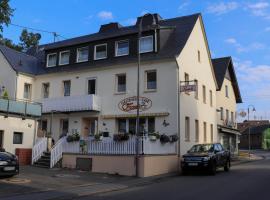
[119, 93]
[149, 91]
[81, 61]
[100, 58]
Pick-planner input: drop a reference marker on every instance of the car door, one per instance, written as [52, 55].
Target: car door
[218, 155]
[222, 154]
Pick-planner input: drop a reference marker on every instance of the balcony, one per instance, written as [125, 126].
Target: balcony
[71, 104]
[19, 107]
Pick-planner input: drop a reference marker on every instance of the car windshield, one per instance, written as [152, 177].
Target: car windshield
[199, 148]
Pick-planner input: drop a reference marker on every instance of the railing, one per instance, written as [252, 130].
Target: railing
[38, 149]
[110, 147]
[20, 107]
[57, 151]
[71, 103]
[156, 147]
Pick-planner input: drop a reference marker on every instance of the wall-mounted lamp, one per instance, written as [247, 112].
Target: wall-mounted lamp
[165, 123]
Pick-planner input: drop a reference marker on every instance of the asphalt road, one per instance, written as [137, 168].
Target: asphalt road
[243, 182]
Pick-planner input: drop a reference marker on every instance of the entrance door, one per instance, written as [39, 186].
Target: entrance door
[64, 126]
[1, 139]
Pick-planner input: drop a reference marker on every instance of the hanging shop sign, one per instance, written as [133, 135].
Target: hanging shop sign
[188, 86]
[130, 104]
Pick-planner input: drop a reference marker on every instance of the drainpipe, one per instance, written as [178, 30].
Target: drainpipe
[178, 113]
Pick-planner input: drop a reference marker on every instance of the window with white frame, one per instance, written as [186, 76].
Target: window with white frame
[17, 138]
[204, 93]
[146, 44]
[100, 51]
[196, 93]
[187, 129]
[82, 54]
[226, 91]
[221, 113]
[197, 130]
[67, 86]
[151, 80]
[212, 132]
[128, 125]
[122, 48]
[64, 57]
[121, 83]
[91, 86]
[45, 89]
[204, 131]
[27, 91]
[51, 59]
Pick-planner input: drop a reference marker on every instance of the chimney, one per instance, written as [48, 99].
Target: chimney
[110, 27]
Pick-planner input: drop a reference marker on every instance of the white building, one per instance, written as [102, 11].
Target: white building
[87, 84]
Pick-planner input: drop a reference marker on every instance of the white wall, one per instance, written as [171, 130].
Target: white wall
[10, 125]
[21, 80]
[164, 99]
[189, 105]
[7, 76]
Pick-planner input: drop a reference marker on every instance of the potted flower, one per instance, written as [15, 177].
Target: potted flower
[120, 137]
[164, 139]
[173, 138]
[98, 137]
[153, 136]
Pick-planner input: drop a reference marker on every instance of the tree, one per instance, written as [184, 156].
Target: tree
[10, 44]
[29, 39]
[6, 12]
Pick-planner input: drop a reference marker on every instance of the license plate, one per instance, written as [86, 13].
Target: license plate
[9, 168]
[192, 164]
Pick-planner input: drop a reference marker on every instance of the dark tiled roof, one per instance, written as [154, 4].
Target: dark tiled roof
[20, 62]
[172, 43]
[221, 65]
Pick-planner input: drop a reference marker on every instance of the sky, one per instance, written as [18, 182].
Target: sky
[239, 28]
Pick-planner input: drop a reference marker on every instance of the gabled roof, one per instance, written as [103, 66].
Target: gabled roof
[20, 62]
[221, 65]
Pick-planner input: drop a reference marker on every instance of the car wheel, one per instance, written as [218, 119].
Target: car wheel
[213, 169]
[227, 166]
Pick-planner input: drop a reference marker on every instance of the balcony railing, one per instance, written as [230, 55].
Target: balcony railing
[230, 124]
[20, 107]
[71, 104]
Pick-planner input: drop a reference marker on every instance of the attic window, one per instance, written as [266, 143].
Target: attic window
[51, 60]
[122, 48]
[146, 44]
[100, 51]
[64, 58]
[82, 54]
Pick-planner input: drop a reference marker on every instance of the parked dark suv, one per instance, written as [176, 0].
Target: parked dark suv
[9, 165]
[206, 157]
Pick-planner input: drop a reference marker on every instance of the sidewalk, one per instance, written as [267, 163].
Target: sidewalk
[244, 157]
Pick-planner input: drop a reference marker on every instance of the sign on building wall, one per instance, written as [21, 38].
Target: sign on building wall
[185, 86]
[130, 104]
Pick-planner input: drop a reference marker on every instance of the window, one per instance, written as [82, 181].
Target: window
[67, 85]
[121, 83]
[51, 60]
[122, 125]
[146, 44]
[227, 115]
[44, 125]
[27, 91]
[151, 125]
[17, 138]
[64, 126]
[122, 48]
[46, 89]
[199, 56]
[221, 113]
[211, 98]
[151, 80]
[100, 51]
[132, 126]
[212, 132]
[204, 94]
[197, 130]
[204, 132]
[91, 84]
[187, 129]
[226, 91]
[82, 54]
[196, 93]
[64, 58]
[232, 117]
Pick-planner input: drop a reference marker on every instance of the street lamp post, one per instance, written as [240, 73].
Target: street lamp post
[249, 145]
[138, 89]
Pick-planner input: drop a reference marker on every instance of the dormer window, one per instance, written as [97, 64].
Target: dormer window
[82, 54]
[51, 59]
[64, 57]
[100, 51]
[122, 48]
[146, 44]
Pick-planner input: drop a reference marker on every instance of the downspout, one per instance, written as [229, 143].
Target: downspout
[178, 115]
[16, 86]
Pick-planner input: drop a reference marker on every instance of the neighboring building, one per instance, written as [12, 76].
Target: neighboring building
[250, 123]
[87, 85]
[259, 137]
[228, 95]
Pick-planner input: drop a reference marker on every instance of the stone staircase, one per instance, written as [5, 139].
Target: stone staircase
[44, 161]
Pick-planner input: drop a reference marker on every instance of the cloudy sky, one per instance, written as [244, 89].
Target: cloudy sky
[239, 28]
